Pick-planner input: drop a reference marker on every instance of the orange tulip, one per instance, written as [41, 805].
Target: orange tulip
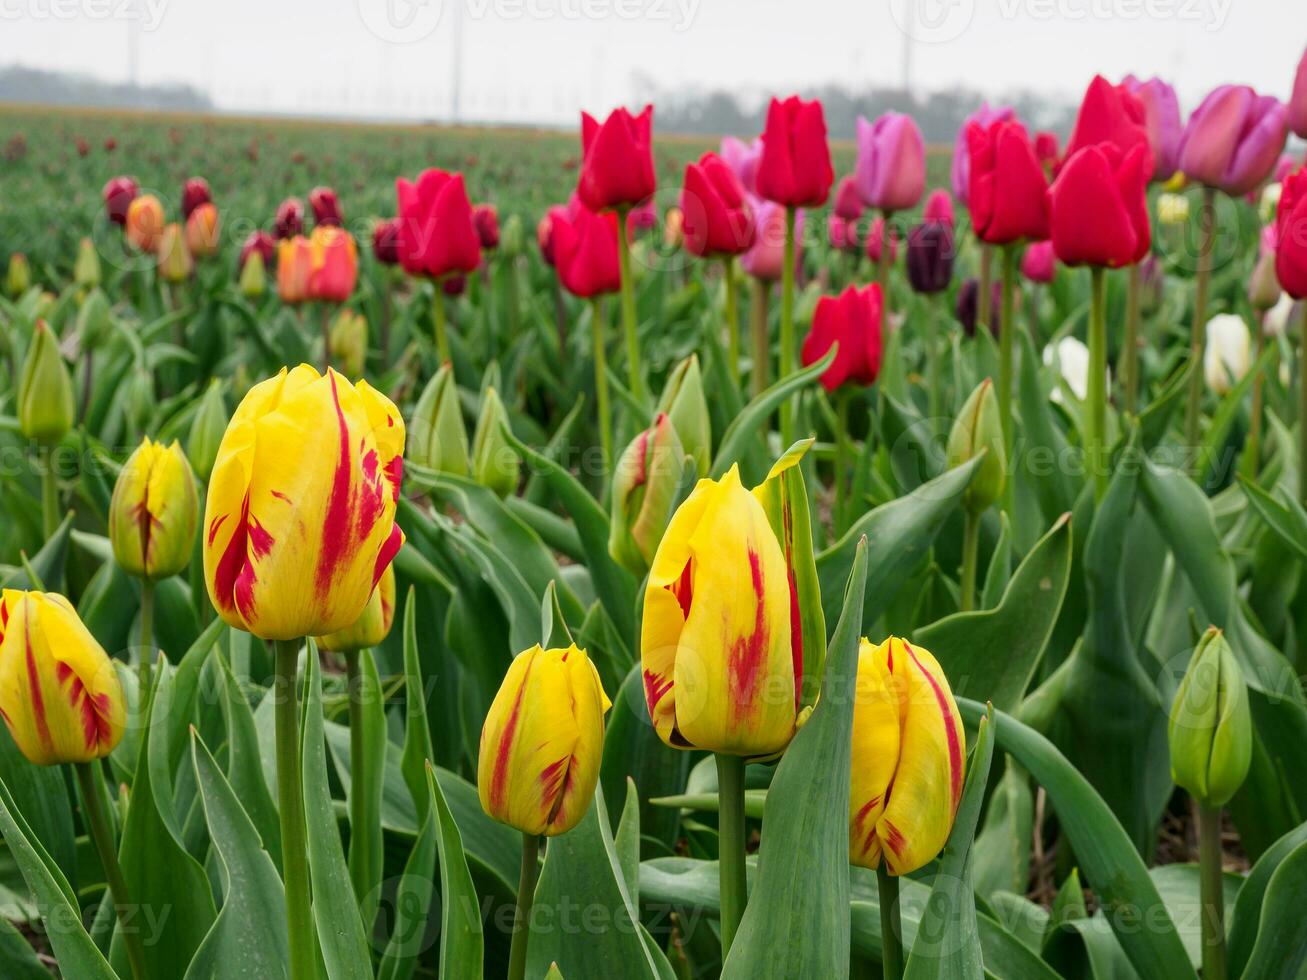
[144, 223]
[294, 268]
[202, 230]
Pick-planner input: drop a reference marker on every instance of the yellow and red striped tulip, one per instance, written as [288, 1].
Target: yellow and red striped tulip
[59, 693]
[202, 230]
[542, 742]
[144, 224]
[723, 668]
[335, 264]
[370, 629]
[154, 512]
[294, 269]
[299, 524]
[909, 753]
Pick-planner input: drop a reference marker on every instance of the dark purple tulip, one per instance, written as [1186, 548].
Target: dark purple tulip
[118, 195]
[326, 207]
[385, 241]
[967, 308]
[290, 218]
[194, 193]
[930, 256]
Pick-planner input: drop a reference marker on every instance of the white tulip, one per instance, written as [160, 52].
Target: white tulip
[1278, 317]
[1228, 355]
[1072, 359]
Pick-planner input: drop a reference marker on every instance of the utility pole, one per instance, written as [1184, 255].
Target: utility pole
[456, 65]
[909, 22]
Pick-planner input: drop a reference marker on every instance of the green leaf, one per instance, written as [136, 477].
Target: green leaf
[412, 903]
[948, 938]
[1000, 566]
[1002, 852]
[341, 935]
[1246, 916]
[1282, 514]
[627, 842]
[898, 535]
[18, 961]
[992, 654]
[248, 938]
[418, 749]
[365, 842]
[40, 795]
[797, 921]
[245, 763]
[462, 944]
[73, 948]
[1068, 904]
[1280, 952]
[1111, 864]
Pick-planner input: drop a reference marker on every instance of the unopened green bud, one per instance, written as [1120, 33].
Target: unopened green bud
[1210, 731]
[86, 270]
[436, 436]
[45, 394]
[349, 342]
[512, 238]
[207, 429]
[644, 489]
[93, 320]
[1263, 285]
[683, 401]
[494, 462]
[19, 278]
[978, 428]
[254, 277]
[175, 262]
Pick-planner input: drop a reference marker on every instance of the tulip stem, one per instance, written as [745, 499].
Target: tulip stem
[526, 895]
[732, 882]
[934, 399]
[438, 320]
[324, 324]
[362, 859]
[147, 635]
[891, 929]
[970, 548]
[1096, 386]
[1005, 355]
[732, 319]
[1130, 354]
[843, 454]
[759, 291]
[1253, 450]
[787, 326]
[629, 327]
[601, 380]
[1198, 335]
[97, 825]
[882, 265]
[290, 796]
[1210, 887]
[984, 297]
[49, 493]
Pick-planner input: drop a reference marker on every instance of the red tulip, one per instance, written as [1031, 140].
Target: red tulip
[939, 208]
[437, 235]
[335, 264]
[1037, 264]
[385, 241]
[545, 237]
[841, 233]
[1099, 208]
[290, 219]
[118, 195]
[585, 250]
[853, 320]
[642, 217]
[848, 199]
[876, 240]
[1291, 232]
[617, 160]
[326, 207]
[1008, 194]
[1110, 114]
[795, 169]
[261, 242]
[1047, 151]
[194, 193]
[717, 217]
[485, 219]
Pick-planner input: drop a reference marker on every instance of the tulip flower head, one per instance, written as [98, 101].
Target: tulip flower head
[960, 173]
[326, 208]
[289, 221]
[795, 167]
[1114, 115]
[718, 219]
[348, 342]
[848, 199]
[1008, 195]
[485, 218]
[154, 512]
[939, 207]
[299, 524]
[86, 268]
[1072, 359]
[173, 257]
[931, 251]
[876, 235]
[294, 269]
[842, 234]
[909, 757]
[891, 167]
[260, 242]
[542, 742]
[207, 428]
[1298, 100]
[437, 438]
[118, 195]
[853, 320]
[334, 264]
[1047, 151]
[1038, 263]
[373, 626]
[202, 230]
[584, 244]
[617, 168]
[18, 278]
[1228, 355]
[45, 392]
[1291, 235]
[976, 429]
[1233, 139]
[1172, 209]
[1210, 728]
[766, 259]
[685, 403]
[1098, 207]
[144, 223]
[60, 696]
[1161, 122]
[437, 235]
[743, 158]
[644, 488]
[385, 241]
[194, 193]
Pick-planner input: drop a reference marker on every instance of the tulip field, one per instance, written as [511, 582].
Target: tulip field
[455, 552]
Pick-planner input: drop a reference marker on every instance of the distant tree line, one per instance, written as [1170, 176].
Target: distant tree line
[18, 84]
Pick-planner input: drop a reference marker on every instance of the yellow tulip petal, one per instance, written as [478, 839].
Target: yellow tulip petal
[876, 740]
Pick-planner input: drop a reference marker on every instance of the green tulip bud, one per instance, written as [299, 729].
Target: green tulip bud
[86, 270]
[437, 438]
[977, 427]
[683, 401]
[19, 279]
[512, 238]
[349, 342]
[494, 462]
[644, 489]
[93, 320]
[254, 277]
[1210, 731]
[1263, 285]
[45, 394]
[207, 429]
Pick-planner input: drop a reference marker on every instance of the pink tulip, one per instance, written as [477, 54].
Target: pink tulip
[1298, 100]
[961, 173]
[843, 234]
[1038, 263]
[743, 158]
[1233, 139]
[1161, 122]
[939, 207]
[891, 162]
[767, 257]
[848, 199]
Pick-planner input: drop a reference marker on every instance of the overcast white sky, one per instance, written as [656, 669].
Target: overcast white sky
[541, 60]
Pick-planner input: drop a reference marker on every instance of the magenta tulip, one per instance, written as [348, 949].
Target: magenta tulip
[1233, 139]
[891, 162]
[1298, 100]
[1161, 122]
